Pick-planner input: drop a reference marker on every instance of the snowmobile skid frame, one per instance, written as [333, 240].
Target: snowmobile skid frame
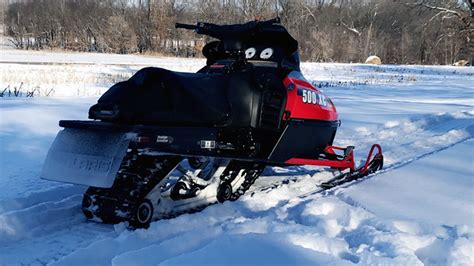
[144, 189]
[148, 188]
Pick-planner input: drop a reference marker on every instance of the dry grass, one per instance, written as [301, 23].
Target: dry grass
[59, 79]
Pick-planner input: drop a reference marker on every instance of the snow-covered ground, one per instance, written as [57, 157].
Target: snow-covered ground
[418, 210]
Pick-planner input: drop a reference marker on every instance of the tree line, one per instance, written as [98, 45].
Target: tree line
[398, 31]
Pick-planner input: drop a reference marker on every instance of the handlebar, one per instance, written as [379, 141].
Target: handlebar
[219, 31]
[185, 26]
[271, 21]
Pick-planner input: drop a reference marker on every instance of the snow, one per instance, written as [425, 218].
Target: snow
[418, 210]
[433, 174]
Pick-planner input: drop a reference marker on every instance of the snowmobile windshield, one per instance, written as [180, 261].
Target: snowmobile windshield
[255, 40]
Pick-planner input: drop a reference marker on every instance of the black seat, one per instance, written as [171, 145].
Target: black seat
[161, 97]
[156, 95]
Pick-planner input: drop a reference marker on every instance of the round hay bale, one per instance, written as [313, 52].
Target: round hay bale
[461, 63]
[373, 59]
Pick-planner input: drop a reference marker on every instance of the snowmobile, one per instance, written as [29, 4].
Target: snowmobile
[163, 143]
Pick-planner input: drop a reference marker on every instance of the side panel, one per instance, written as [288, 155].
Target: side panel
[305, 101]
[304, 139]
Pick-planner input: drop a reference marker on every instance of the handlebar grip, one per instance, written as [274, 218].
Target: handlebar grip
[185, 26]
[273, 20]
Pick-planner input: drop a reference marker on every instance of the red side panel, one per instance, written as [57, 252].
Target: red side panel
[304, 101]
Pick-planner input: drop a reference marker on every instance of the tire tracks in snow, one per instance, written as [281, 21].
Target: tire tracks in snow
[50, 224]
[39, 219]
[394, 166]
[54, 194]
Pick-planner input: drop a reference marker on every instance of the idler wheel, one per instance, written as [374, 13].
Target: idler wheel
[142, 215]
[224, 192]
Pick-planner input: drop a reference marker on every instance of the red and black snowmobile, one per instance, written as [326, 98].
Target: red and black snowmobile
[163, 142]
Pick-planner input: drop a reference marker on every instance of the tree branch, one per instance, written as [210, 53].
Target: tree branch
[351, 29]
[438, 8]
[445, 10]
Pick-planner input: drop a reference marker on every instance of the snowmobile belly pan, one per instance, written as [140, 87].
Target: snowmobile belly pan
[85, 157]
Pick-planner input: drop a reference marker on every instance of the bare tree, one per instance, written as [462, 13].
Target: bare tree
[402, 31]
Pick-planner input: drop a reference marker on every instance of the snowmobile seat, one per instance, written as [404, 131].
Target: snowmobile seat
[160, 96]
[156, 95]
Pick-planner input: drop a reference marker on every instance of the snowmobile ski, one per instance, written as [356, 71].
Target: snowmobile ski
[371, 166]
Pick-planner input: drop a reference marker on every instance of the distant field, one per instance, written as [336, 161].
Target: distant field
[75, 74]
[43, 73]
